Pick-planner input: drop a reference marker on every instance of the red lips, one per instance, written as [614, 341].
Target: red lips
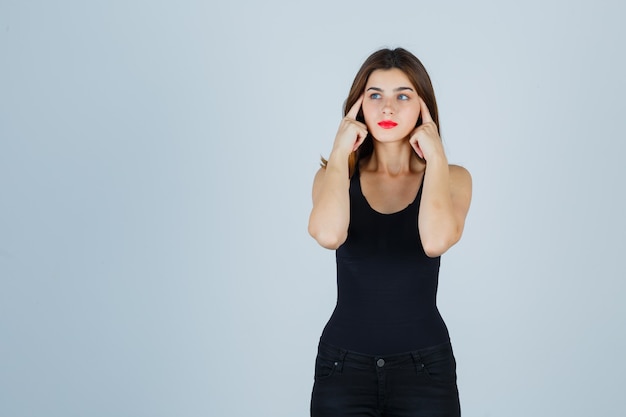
[387, 124]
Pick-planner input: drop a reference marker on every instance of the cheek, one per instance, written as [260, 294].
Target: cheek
[411, 115]
[370, 111]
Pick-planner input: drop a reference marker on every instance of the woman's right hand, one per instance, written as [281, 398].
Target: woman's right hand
[351, 132]
[330, 216]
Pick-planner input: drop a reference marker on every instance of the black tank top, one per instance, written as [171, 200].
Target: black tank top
[386, 285]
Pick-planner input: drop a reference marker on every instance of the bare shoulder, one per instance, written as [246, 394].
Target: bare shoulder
[318, 179]
[319, 176]
[458, 170]
[460, 183]
[460, 175]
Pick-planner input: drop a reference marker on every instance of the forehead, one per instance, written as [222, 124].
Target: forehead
[391, 78]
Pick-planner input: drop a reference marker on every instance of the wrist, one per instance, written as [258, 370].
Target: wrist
[338, 155]
[436, 159]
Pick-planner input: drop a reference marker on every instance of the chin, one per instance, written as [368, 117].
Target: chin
[388, 136]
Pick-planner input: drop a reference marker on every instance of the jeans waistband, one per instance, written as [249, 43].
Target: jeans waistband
[331, 352]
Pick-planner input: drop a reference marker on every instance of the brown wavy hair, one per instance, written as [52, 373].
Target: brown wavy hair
[385, 59]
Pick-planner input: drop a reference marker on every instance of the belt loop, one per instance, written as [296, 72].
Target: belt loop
[417, 360]
[342, 357]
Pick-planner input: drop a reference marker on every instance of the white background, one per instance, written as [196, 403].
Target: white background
[156, 160]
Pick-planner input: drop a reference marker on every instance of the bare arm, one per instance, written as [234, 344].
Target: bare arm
[330, 216]
[446, 192]
[446, 196]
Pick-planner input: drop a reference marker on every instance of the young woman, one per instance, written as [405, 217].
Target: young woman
[390, 205]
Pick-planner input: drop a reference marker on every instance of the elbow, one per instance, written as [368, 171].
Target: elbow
[327, 239]
[332, 244]
[437, 246]
[434, 249]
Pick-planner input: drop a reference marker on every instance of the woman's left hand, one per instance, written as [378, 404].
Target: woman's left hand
[425, 138]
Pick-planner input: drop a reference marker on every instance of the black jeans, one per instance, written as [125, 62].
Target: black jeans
[419, 383]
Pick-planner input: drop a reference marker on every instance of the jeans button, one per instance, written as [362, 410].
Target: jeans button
[380, 363]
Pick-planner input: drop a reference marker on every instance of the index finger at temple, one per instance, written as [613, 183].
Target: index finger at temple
[354, 110]
[426, 117]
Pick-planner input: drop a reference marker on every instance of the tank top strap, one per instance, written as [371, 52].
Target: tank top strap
[356, 193]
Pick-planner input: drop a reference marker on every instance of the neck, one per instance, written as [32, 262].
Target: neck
[394, 159]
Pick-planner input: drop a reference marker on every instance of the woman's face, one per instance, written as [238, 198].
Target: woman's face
[391, 105]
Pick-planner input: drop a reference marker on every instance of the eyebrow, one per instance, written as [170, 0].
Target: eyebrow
[395, 89]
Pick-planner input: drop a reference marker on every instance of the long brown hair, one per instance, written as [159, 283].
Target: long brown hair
[385, 59]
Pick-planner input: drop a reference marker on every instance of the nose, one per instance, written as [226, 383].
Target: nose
[388, 107]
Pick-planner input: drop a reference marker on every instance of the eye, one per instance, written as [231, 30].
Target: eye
[403, 97]
[375, 96]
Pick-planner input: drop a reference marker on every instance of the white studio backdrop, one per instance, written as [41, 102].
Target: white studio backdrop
[156, 161]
